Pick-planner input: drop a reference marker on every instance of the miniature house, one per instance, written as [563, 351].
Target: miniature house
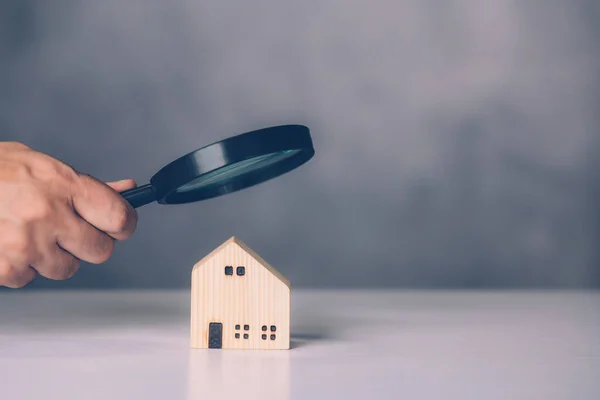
[239, 301]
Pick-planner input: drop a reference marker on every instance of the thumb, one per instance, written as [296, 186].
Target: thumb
[122, 185]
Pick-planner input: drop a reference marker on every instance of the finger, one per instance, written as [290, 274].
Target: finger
[99, 205]
[84, 241]
[15, 277]
[122, 185]
[56, 264]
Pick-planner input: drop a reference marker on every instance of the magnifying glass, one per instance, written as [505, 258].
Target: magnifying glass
[227, 166]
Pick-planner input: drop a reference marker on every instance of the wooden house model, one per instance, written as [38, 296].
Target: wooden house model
[239, 301]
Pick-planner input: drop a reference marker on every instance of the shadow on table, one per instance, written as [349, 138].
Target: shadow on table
[298, 340]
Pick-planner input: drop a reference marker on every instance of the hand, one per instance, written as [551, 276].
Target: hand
[51, 217]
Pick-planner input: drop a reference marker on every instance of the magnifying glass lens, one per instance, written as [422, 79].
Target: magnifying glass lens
[232, 171]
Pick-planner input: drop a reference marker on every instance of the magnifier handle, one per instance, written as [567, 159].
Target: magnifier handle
[140, 196]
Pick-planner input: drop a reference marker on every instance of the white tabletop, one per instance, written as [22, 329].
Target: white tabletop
[346, 345]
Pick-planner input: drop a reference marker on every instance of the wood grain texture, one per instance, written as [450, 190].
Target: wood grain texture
[261, 297]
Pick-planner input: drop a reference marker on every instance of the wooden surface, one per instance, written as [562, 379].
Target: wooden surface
[345, 344]
[250, 312]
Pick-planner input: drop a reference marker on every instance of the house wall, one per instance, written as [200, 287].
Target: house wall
[255, 299]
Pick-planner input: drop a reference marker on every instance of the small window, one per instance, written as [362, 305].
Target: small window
[246, 327]
[241, 271]
[245, 336]
[264, 337]
[273, 328]
[229, 270]
[272, 337]
[264, 328]
[237, 335]
[237, 327]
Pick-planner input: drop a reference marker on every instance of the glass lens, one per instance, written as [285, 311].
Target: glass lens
[232, 171]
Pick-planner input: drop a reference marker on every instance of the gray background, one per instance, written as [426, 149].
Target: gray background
[457, 141]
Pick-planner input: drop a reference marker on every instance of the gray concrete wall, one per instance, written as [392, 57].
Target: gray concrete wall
[457, 142]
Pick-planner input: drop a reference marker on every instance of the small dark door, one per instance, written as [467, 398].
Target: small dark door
[215, 335]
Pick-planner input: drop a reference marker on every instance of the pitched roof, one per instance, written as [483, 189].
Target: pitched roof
[252, 254]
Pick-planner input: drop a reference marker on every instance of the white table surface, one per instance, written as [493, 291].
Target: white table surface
[346, 345]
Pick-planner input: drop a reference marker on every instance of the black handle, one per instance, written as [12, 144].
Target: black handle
[140, 196]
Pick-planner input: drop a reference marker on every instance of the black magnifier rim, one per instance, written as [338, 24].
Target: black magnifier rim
[229, 151]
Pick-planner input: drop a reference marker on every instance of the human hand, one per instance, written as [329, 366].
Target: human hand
[51, 217]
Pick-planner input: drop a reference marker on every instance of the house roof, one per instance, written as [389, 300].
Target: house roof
[252, 253]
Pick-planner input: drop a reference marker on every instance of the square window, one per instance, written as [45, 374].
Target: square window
[229, 270]
[237, 335]
[273, 328]
[272, 337]
[245, 336]
[264, 337]
[237, 327]
[246, 327]
[264, 327]
[241, 271]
